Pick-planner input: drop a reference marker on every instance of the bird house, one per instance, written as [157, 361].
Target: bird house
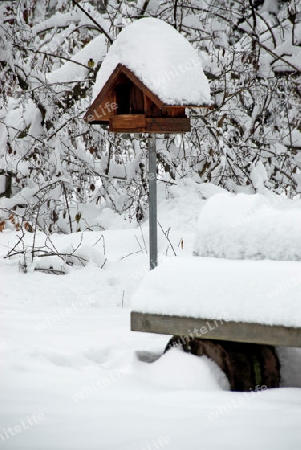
[128, 106]
[150, 75]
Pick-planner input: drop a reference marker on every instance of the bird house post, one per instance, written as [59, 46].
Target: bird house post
[150, 75]
[152, 177]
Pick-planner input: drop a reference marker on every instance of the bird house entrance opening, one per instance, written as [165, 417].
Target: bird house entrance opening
[129, 97]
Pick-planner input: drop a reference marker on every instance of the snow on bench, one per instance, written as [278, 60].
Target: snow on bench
[211, 298]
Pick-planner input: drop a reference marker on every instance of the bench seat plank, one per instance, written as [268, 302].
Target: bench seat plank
[276, 335]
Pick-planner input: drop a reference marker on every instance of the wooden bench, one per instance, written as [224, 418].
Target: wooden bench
[258, 305]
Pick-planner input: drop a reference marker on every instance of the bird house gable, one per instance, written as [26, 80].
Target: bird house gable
[124, 93]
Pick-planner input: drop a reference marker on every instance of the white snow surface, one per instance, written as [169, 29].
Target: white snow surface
[68, 355]
[249, 227]
[248, 291]
[162, 59]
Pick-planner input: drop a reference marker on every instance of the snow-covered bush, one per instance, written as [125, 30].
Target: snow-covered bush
[249, 227]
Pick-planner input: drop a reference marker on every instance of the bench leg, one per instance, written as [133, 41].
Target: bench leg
[247, 366]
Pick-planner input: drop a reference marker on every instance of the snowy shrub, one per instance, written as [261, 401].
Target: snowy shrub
[249, 227]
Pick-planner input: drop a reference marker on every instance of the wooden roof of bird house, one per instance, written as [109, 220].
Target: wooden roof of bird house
[149, 76]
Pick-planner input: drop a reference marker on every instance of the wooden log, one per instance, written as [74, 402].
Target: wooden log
[276, 335]
[247, 366]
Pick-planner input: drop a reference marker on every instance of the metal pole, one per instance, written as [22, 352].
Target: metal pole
[153, 243]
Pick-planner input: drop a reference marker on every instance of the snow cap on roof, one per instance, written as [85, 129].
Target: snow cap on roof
[162, 59]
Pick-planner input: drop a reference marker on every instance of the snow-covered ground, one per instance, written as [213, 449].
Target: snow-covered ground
[70, 375]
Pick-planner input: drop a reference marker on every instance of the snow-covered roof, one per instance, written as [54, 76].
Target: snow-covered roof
[162, 59]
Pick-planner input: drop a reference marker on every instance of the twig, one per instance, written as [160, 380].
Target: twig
[130, 254]
[35, 233]
[10, 253]
[67, 204]
[43, 253]
[143, 238]
[94, 21]
[103, 244]
[141, 249]
[51, 271]
[166, 233]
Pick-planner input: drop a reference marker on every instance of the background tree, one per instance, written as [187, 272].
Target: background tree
[57, 173]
